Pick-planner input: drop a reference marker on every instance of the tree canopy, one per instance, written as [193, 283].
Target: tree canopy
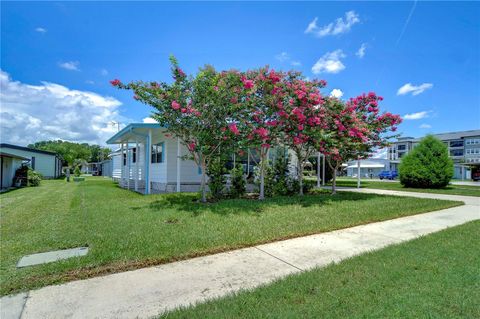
[216, 113]
[70, 151]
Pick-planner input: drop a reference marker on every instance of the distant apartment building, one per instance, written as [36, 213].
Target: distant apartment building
[463, 147]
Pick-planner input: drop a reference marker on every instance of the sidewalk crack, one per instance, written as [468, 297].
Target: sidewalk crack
[284, 261]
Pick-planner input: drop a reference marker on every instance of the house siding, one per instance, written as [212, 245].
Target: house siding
[45, 164]
[189, 171]
[9, 166]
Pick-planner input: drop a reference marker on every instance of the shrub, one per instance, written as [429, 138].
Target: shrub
[308, 185]
[216, 177]
[76, 171]
[33, 178]
[281, 174]
[237, 180]
[428, 165]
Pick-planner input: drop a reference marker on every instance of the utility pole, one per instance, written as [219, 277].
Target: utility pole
[113, 123]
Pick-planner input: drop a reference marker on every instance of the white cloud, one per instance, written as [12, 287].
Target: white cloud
[336, 93]
[282, 57]
[89, 82]
[361, 51]
[48, 111]
[312, 26]
[41, 30]
[71, 65]
[104, 72]
[285, 57]
[329, 63]
[339, 26]
[417, 115]
[414, 89]
[425, 126]
[380, 153]
[149, 120]
[296, 63]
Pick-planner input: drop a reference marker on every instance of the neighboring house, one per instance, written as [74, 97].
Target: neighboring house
[148, 161]
[369, 168]
[9, 163]
[463, 147]
[46, 163]
[106, 167]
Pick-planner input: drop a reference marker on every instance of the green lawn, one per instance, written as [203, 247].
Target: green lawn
[126, 230]
[437, 276]
[396, 186]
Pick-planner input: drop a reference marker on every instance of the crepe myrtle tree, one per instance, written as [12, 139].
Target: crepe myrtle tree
[193, 109]
[260, 94]
[357, 128]
[302, 119]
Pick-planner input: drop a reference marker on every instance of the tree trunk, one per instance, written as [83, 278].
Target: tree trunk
[261, 196]
[334, 181]
[300, 175]
[204, 180]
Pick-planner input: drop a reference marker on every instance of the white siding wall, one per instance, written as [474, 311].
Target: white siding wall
[158, 171]
[189, 172]
[163, 176]
[10, 165]
[117, 166]
[132, 172]
[44, 163]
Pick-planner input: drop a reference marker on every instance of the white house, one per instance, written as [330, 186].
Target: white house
[369, 168]
[148, 161]
[12, 156]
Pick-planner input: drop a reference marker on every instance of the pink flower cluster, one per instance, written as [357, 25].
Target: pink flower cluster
[262, 132]
[115, 82]
[247, 84]
[191, 146]
[185, 110]
[233, 128]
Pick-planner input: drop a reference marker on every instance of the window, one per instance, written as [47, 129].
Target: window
[124, 159]
[134, 155]
[456, 152]
[456, 143]
[473, 141]
[157, 153]
[32, 163]
[402, 147]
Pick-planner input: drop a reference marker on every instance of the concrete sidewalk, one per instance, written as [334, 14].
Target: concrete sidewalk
[150, 291]
[468, 200]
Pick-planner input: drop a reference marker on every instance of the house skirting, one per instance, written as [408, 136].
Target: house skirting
[158, 187]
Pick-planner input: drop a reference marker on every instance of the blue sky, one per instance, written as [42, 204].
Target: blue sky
[57, 58]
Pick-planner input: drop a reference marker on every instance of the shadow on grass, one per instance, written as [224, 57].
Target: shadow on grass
[189, 203]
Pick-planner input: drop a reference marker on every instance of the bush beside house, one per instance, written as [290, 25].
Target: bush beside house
[428, 165]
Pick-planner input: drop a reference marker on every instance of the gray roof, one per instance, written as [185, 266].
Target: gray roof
[444, 136]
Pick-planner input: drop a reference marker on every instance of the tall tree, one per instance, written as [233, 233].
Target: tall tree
[302, 119]
[357, 128]
[261, 97]
[194, 109]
